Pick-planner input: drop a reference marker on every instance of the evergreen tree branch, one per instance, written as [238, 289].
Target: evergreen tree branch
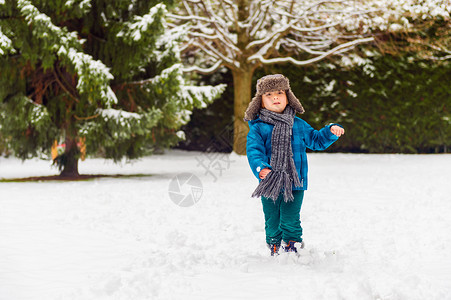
[63, 86]
[139, 82]
[64, 81]
[86, 118]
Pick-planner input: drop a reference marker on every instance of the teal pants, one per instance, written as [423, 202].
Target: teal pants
[282, 219]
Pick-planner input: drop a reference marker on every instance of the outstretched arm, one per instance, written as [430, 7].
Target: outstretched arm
[323, 138]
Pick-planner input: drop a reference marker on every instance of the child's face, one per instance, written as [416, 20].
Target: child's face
[275, 101]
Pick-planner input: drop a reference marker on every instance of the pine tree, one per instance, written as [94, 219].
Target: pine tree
[103, 72]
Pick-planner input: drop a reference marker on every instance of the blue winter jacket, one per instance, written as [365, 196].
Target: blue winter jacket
[258, 145]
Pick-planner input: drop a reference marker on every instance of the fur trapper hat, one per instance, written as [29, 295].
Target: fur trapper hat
[270, 83]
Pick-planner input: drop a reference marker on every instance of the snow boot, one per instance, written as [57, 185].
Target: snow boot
[274, 249]
[292, 246]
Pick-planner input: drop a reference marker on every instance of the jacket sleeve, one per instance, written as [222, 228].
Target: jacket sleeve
[319, 139]
[255, 150]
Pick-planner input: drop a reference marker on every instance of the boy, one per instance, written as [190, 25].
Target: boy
[275, 148]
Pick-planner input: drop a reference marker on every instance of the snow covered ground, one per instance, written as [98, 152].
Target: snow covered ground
[375, 227]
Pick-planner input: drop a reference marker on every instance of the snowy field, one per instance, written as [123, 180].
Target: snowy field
[375, 227]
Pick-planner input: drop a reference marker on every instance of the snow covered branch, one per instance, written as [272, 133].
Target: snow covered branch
[440, 58]
[204, 71]
[140, 27]
[67, 46]
[188, 18]
[117, 114]
[198, 93]
[335, 50]
[5, 44]
[439, 49]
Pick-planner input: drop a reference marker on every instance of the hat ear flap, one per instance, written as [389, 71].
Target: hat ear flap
[253, 108]
[294, 102]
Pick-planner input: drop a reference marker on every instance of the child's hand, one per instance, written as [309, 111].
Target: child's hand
[337, 130]
[264, 172]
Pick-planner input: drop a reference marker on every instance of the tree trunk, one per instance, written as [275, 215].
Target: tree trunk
[71, 154]
[242, 84]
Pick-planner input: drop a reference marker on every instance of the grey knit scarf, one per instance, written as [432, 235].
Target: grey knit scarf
[283, 174]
